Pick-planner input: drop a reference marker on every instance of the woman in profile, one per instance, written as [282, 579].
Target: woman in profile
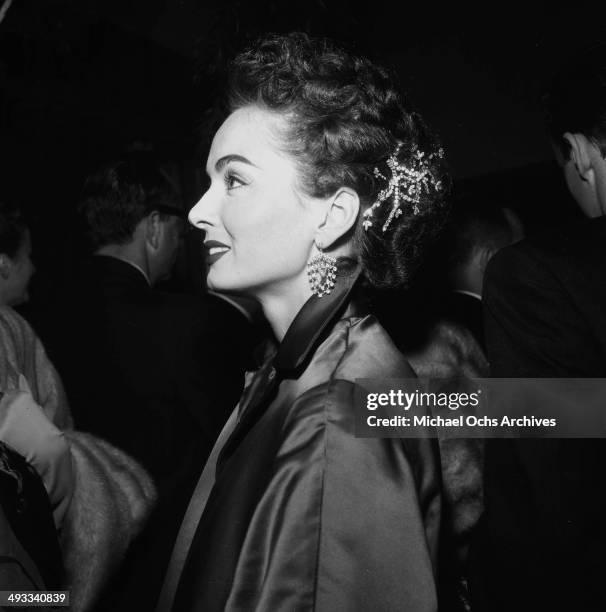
[324, 187]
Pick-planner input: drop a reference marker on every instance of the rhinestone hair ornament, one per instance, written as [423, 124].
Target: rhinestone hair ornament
[406, 184]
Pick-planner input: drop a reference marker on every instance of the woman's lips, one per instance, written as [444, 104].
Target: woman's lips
[214, 251]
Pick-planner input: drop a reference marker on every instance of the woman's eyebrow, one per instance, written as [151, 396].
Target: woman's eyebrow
[229, 158]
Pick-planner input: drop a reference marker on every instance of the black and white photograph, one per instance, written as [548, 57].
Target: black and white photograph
[302, 306]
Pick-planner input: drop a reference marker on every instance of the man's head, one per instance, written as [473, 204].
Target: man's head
[476, 231]
[576, 118]
[132, 211]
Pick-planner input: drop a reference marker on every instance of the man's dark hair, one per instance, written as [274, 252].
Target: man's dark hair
[576, 100]
[473, 226]
[13, 228]
[122, 193]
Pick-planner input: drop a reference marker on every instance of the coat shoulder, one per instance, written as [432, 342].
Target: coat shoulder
[367, 351]
[357, 348]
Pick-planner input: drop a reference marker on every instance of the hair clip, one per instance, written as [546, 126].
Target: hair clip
[406, 183]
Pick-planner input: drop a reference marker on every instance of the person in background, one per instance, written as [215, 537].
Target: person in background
[155, 355]
[540, 543]
[30, 557]
[147, 370]
[453, 347]
[454, 343]
[69, 501]
[476, 232]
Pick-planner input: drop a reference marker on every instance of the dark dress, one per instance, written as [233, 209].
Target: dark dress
[541, 541]
[303, 515]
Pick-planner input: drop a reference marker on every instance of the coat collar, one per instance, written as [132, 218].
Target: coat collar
[307, 330]
[119, 271]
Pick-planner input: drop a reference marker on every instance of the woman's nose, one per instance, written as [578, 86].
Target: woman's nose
[203, 213]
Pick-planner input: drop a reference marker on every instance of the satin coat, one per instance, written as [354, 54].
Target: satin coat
[303, 515]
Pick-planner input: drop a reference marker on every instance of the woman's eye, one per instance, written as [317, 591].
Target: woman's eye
[232, 181]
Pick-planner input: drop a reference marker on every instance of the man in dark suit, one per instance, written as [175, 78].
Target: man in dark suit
[542, 538]
[453, 344]
[477, 230]
[155, 373]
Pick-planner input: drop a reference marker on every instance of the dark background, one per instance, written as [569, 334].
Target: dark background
[83, 80]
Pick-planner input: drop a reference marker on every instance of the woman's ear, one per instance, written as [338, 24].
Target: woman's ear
[580, 156]
[341, 216]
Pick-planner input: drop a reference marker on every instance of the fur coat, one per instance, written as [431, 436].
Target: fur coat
[112, 494]
[451, 351]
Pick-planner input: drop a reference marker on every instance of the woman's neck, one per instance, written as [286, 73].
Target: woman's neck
[281, 307]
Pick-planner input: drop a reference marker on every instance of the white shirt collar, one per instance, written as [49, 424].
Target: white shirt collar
[134, 265]
[128, 261]
[469, 293]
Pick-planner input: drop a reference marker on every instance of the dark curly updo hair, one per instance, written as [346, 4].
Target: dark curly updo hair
[345, 118]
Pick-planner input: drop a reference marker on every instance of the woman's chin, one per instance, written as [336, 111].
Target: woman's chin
[214, 282]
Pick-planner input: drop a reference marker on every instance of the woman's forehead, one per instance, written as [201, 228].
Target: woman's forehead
[250, 132]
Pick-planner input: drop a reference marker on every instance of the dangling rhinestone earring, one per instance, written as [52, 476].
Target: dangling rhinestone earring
[322, 273]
